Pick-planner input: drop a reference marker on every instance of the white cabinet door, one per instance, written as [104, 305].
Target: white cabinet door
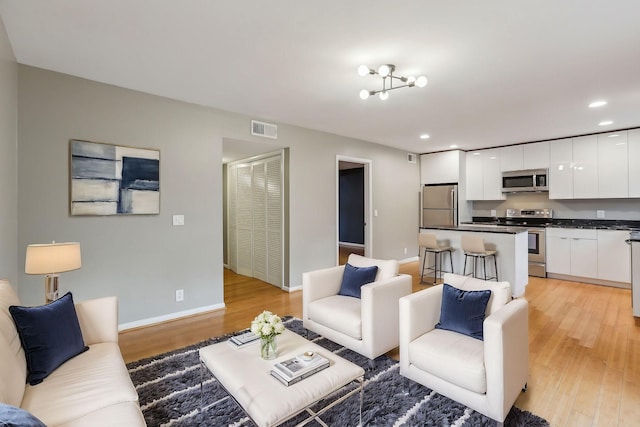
[511, 158]
[536, 155]
[558, 254]
[613, 165]
[440, 168]
[561, 169]
[585, 167]
[475, 179]
[614, 256]
[584, 257]
[492, 185]
[633, 140]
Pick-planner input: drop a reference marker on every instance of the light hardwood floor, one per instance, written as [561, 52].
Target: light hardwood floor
[584, 344]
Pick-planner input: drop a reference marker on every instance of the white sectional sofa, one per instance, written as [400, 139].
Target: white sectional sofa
[91, 389]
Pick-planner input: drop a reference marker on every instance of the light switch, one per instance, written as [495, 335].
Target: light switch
[178, 220]
[375, 212]
[600, 214]
[493, 213]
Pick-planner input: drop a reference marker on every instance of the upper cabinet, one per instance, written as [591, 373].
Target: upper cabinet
[585, 167]
[524, 156]
[613, 165]
[633, 142]
[483, 175]
[440, 168]
[561, 169]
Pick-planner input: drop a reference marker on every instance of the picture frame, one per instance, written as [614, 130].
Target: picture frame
[109, 179]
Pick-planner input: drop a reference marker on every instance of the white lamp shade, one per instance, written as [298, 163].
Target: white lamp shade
[364, 94]
[421, 81]
[363, 70]
[384, 70]
[52, 258]
[384, 95]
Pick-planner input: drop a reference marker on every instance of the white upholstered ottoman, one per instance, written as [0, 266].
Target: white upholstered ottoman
[245, 376]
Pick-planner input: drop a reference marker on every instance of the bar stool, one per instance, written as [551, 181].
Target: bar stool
[430, 244]
[473, 246]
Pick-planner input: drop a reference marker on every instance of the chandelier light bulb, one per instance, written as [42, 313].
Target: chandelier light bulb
[363, 70]
[421, 81]
[384, 70]
[364, 94]
[384, 95]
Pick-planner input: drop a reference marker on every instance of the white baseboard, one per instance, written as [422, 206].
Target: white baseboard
[406, 260]
[167, 317]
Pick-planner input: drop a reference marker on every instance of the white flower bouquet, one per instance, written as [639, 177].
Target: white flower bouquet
[267, 325]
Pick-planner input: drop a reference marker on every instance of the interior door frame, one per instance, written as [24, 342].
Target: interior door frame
[368, 197]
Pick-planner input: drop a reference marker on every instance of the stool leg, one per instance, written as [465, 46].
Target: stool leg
[484, 264]
[464, 269]
[423, 261]
[436, 255]
[451, 261]
[495, 265]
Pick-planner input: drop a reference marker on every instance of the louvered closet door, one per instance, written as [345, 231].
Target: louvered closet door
[244, 220]
[259, 215]
[232, 230]
[274, 213]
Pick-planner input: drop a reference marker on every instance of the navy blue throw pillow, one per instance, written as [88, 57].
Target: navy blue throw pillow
[463, 311]
[11, 416]
[354, 277]
[50, 335]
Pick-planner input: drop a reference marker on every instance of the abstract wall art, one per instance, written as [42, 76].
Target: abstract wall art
[110, 179]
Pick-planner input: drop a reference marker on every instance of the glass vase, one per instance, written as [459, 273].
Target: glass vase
[268, 347]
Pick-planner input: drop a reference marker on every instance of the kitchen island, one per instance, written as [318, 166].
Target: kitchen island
[510, 243]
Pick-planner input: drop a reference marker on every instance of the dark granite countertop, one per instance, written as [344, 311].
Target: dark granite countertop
[600, 224]
[502, 229]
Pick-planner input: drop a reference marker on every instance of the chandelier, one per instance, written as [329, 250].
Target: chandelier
[386, 72]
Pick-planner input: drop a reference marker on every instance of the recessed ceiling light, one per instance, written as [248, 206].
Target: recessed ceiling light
[453, 146]
[425, 136]
[596, 104]
[605, 123]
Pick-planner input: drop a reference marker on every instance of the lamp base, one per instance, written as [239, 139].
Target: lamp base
[51, 288]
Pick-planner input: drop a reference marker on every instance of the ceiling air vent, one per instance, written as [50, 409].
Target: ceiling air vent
[266, 130]
[411, 158]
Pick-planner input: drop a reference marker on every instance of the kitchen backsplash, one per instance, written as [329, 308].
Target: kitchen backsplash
[621, 209]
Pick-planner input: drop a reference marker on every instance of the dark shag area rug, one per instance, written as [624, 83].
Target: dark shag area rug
[169, 389]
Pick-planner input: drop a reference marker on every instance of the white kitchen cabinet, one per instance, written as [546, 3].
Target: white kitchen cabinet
[633, 162]
[585, 167]
[614, 256]
[492, 176]
[572, 251]
[511, 158]
[613, 165]
[440, 168]
[535, 155]
[561, 169]
[474, 176]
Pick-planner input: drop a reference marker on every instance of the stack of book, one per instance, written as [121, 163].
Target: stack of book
[243, 339]
[292, 370]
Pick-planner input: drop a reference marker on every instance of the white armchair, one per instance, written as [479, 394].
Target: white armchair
[488, 375]
[368, 325]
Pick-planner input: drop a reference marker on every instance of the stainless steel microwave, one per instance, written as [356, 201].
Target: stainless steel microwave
[525, 181]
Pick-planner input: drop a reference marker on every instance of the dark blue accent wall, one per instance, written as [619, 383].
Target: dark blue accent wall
[352, 205]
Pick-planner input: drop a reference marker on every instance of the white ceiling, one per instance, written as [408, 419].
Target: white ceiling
[500, 71]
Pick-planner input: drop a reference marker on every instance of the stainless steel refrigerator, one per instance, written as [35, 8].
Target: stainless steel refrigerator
[440, 205]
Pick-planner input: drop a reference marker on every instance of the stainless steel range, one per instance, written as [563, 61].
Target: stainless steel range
[535, 220]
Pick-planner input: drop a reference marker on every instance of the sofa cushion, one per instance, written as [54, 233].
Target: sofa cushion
[13, 369]
[354, 277]
[500, 291]
[386, 268]
[50, 335]
[463, 311]
[84, 384]
[12, 416]
[455, 358]
[340, 313]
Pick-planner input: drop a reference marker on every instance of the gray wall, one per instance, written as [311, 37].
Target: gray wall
[143, 259]
[8, 160]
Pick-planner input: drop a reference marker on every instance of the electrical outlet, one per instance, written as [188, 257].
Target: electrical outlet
[493, 213]
[405, 251]
[179, 295]
[178, 220]
[600, 214]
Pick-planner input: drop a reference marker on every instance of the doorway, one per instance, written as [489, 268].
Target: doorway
[353, 202]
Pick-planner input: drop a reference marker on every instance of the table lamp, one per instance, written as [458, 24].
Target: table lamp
[51, 259]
